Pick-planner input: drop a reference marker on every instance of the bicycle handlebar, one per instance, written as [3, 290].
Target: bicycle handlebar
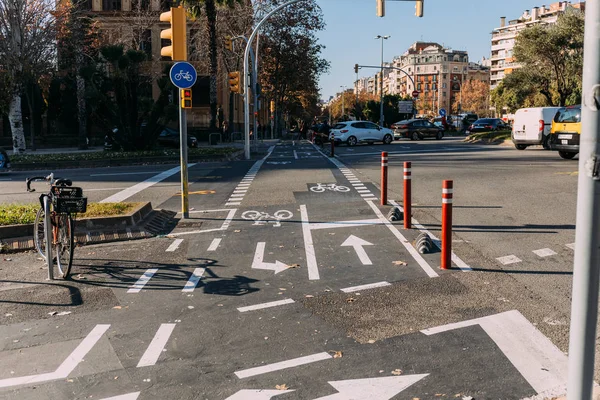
[49, 178]
[35, 178]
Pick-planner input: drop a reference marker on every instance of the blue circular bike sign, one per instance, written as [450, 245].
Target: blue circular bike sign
[442, 112]
[183, 75]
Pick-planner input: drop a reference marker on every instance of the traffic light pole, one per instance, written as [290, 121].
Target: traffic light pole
[584, 306]
[246, 80]
[183, 152]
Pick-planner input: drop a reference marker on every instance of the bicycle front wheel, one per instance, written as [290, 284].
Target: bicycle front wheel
[39, 233]
[64, 244]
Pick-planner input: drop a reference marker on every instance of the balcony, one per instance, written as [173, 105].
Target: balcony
[504, 35]
[502, 46]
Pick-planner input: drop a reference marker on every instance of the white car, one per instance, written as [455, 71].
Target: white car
[353, 132]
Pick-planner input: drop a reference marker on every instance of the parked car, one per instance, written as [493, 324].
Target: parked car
[566, 131]
[4, 160]
[353, 132]
[170, 137]
[462, 121]
[532, 126]
[417, 129]
[487, 125]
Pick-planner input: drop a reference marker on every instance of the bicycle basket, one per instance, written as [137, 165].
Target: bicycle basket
[69, 204]
[67, 191]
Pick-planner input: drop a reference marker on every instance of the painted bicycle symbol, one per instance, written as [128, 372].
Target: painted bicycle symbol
[262, 218]
[321, 187]
[184, 75]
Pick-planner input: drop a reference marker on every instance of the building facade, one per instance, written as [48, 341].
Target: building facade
[503, 37]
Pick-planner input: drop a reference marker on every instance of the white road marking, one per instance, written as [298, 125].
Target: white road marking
[214, 244]
[156, 346]
[372, 388]
[571, 246]
[235, 195]
[265, 305]
[544, 252]
[405, 152]
[365, 190]
[413, 252]
[357, 185]
[257, 394]
[366, 194]
[229, 204]
[130, 191]
[295, 362]
[538, 360]
[506, 260]
[345, 224]
[128, 173]
[295, 155]
[223, 227]
[358, 245]
[191, 284]
[311, 259]
[174, 245]
[240, 191]
[258, 262]
[455, 259]
[128, 396]
[365, 287]
[67, 366]
[139, 285]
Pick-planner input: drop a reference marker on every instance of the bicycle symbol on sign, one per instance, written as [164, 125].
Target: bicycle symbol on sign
[184, 75]
[321, 187]
[262, 218]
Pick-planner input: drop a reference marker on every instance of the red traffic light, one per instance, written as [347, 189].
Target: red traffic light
[187, 93]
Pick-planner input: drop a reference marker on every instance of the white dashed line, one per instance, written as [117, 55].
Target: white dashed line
[512, 259]
[174, 245]
[157, 345]
[232, 204]
[544, 252]
[246, 373]
[214, 244]
[128, 396]
[139, 285]
[311, 258]
[265, 305]
[191, 284]
[365, 287]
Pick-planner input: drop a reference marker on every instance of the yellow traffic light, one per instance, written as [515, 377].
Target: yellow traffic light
[186, 98]
[380, 8]
[419, 8]
[228, 44]
[177, 34]
[234, 82]
[272, 106]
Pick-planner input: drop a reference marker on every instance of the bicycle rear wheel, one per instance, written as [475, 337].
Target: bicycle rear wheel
[39, 233]
[64, 244]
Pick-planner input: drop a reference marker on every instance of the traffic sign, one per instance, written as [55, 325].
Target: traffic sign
[415, 93]
[183, 75]
[442, 112]
[405, 107]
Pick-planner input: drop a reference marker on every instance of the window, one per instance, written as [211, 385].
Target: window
[418, 69]
[111, 5]
[418, 86]
[435, 78]
[444, 93]
[444, 76]
[444, 85]
[455, 69]
[146, 43]
[433, 86]
[408, 69]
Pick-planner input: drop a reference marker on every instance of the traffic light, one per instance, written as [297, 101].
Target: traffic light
[356, 68]
[228, 44]
[234, 82]
[177, 51]
[186, 98]
[380, 8]
[419, 8]
[272, 106]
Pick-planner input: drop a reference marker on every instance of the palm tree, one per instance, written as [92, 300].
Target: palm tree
[210, 6]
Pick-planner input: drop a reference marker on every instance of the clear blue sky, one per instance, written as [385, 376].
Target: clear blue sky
[458, 24]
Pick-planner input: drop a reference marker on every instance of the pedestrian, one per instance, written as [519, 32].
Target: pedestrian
[259, 129]
[303, 130]
[226, 131]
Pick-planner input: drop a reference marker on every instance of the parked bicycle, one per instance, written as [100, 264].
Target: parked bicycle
[321, 187]
[54, 227]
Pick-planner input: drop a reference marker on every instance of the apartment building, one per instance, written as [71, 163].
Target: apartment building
[503, 37]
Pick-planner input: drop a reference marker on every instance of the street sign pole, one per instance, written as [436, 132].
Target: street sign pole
[183, 153]
[584, 306]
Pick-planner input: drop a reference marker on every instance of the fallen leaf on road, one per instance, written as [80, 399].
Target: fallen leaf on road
[281, 246]
[69, 380]
[237, 231]
[309, 296]
[8, 259]
[294, 266]
[52, 313]
[64, 313]
[350, 300]
[415, 398]
[117, 307]
[81, 277]
[281, 387]
[467, 398]
[190, 307]
[116, 377]
[336, 354]
[8, 315]
[282, 288]
[219, 305]
[371, 341]
[440, 394]
[397, 371]
[399, 262]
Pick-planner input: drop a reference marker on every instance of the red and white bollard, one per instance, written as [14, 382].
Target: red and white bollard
[407, 194]
[447, 192]
[332, 138]
[384, 177]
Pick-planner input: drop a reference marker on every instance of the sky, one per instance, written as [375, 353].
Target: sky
[351, 27]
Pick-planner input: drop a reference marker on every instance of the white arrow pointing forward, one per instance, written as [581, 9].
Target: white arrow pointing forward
[358, 244]
[258, 262]
[372, 388]
[257, 394]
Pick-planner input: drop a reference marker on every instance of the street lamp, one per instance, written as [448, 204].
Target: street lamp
[381, 79]
[343, 104]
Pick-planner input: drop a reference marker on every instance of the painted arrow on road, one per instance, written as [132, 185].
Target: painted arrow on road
[370, 388]
[258, 262]
[358, 244]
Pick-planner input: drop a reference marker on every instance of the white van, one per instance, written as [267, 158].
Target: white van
[532, 126]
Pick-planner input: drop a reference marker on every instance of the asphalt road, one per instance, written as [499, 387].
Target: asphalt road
[289, 282]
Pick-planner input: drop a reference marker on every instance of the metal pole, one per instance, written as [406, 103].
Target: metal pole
[255, 83]
[343, 104]
[48, 237]
[246, 81]
[407, 194]
[584, 307]
[381, 86]
[183, 153]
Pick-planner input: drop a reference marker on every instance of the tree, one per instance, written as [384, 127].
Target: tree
[26, 50]
[475, 97]
[552, 57]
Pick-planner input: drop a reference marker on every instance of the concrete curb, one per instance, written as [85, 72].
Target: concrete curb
[143, 222]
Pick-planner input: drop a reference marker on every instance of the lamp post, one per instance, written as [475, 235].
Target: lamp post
[343, 104]
[381, 79]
